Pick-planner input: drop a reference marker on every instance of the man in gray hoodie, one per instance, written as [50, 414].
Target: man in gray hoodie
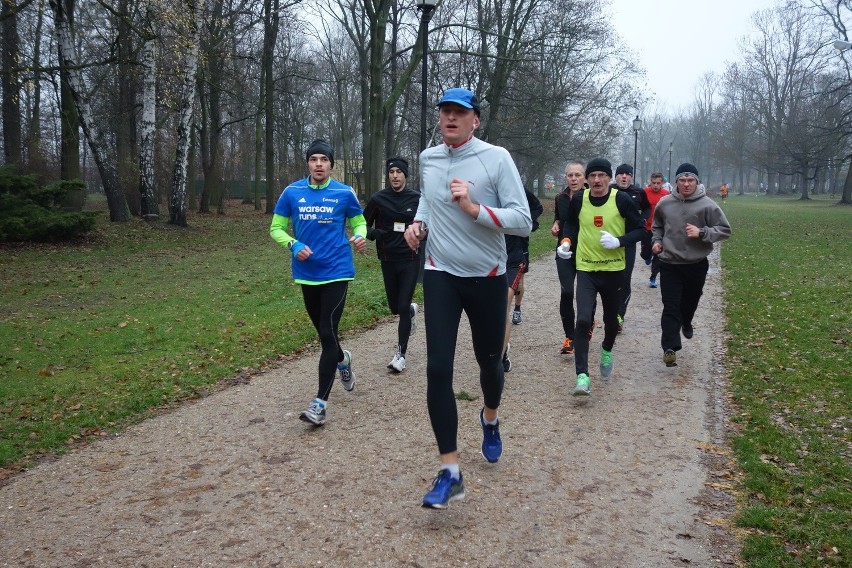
[686, 224]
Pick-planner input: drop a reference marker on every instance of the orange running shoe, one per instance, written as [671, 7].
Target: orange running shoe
[567, 347]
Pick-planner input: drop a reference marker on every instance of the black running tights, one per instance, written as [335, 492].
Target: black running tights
[324, 303]
[484, 301]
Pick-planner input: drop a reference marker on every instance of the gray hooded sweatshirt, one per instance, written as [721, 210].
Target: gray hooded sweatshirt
[672, 214]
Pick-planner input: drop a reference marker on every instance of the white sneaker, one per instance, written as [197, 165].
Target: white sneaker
[398, 362]
[413, 309]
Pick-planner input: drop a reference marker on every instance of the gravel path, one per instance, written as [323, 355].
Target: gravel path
[627, 478]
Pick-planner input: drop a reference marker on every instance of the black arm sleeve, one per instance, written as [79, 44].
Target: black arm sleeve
[634, 225]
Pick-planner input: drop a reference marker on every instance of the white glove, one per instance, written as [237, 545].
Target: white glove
[608, 241]
[564, 251]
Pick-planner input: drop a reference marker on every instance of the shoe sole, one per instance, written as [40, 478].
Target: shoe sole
[456, 497]
[567, 352]
[488, 460]
[582, 392]
[304, 418]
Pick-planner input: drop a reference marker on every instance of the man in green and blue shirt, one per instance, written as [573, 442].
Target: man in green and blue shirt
[316, 210]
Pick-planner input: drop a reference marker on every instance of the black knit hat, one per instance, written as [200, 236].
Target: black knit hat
[397, 162]
[686, 169]
[624, 169]
[320, 146]
[599, 165]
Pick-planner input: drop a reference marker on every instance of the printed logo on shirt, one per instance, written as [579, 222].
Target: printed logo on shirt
[598, 221]
[320, 213]
[302, 200]
[327, 200]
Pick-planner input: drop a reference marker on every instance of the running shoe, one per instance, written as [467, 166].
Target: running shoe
[516, 317]
[398, 362]
[345, 372]
[492, 445]
[507, 364]
[567, 347]
[670, 358]
[648, 261]
[687, 330]
[652, 283]
[583, 387]
[620, 324]
[606, 363]
[315, 413]
[413, 311]
[444, 490]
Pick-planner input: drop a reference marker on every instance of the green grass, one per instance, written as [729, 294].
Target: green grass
[101, 334]
[788, 289]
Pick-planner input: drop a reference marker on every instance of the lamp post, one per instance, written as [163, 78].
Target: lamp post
[670, 162]
[637, 126]
[425, 7]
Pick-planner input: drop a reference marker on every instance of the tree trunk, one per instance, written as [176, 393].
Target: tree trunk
[69, 166]
[118, 210]
[258, 138]
[150, 207]
[846, 198]
[270, 33]
[177, 200]
[34, 154]
[125, 117]
[12, 150]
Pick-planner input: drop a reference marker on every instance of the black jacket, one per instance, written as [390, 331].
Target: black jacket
[388, 213]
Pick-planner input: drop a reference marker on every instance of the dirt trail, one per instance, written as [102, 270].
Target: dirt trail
[236, 479]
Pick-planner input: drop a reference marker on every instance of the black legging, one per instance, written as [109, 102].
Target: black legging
[324, 303]
[589, 285]
[400, 279]
[484, 302]
[681, 286]
[629, 261]
[566, 269]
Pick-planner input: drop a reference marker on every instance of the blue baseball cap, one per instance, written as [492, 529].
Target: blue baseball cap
[461, 97]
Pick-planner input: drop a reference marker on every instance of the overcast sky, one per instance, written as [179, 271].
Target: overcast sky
[677, 41]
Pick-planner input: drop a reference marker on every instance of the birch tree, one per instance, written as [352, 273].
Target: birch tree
[177, 198]
[150, 207]
[118, 210]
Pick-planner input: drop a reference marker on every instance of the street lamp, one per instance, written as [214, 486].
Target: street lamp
[841, 45]
[669, 179]
[637, 126]
[425, 7]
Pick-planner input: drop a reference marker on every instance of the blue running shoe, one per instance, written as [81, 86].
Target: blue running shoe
[344, 370]
[444, 489]
[492, 445]
[652, 283]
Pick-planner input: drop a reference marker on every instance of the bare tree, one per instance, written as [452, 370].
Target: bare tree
[177, 199]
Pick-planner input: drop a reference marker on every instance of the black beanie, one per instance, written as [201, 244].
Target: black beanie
[624, 169]
[599, 165]
[686, 169]
[320, 146]
[397, 162]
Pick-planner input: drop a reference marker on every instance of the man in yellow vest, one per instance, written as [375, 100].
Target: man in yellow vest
[600, 222]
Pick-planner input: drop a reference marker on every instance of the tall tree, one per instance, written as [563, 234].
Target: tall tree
[118, 210]
[11, 61]
[177, 197]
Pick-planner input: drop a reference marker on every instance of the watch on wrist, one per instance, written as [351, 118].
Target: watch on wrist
[701, 232]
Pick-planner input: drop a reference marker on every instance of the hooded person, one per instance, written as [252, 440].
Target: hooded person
[685, 226]
[388, 213]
